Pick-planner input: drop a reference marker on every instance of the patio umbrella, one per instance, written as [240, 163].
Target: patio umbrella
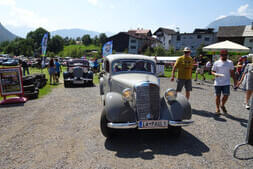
[233, 48]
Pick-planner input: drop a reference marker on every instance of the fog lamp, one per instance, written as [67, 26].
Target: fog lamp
[127, 94]
[170, 94]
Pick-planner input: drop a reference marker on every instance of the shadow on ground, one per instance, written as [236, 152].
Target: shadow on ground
[220, 118]
[12, 105]
[147, 145]
[208, 114]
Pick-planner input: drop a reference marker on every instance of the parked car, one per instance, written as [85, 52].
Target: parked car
[130, 93]
[78, 73]
[11, 62]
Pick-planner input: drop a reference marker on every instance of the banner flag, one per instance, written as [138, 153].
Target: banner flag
[107, 49]
[44, 44]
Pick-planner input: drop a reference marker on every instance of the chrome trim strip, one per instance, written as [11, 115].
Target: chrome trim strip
[180, 123]
[122, 125]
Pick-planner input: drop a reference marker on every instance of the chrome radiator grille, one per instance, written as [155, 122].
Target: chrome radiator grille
[147, 101]
[78, 72]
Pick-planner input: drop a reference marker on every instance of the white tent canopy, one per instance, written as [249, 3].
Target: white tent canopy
[228, 45]
[166, 59]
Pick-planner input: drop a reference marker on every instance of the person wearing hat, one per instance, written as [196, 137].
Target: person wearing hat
[222, 69]
[184, 65]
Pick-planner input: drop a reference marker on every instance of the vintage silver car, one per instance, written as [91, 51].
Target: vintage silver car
[130, 93]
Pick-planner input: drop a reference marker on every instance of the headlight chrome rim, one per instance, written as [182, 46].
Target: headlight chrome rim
[127, 94]
[170, 94]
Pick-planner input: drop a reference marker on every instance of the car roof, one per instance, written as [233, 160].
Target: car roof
[114, 57]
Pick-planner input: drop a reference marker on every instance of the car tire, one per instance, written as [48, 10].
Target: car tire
[176, 131]
[90, 84]
[106, 131]
[67, 84]
[29, 88]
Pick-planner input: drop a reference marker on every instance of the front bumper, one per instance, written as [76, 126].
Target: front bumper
[133, 125]
[81, 79]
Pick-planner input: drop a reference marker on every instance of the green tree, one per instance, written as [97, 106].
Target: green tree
[148, 52]
[86, 40]
[200, 49]
[160, 51]
[37, 36]
[102, 38]
[56, 44]
[95, 41]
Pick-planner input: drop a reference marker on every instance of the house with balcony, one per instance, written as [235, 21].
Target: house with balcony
[133, 41]
[164, 35]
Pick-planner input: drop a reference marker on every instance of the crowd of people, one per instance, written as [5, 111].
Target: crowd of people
[222, 70]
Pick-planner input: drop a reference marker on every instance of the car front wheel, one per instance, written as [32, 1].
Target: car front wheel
[106, 131]
[66, 84]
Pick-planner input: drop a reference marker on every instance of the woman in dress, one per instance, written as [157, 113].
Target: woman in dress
[51, 70]
[247, 81]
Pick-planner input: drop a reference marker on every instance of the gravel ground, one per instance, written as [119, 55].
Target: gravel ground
[61, 130]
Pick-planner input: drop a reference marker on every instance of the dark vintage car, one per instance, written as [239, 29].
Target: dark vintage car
[131, 97]
[78, 73]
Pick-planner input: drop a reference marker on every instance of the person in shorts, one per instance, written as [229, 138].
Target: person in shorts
[247, 80]
[57, 70]
[222, 69]
[184, 65]
[200, 68]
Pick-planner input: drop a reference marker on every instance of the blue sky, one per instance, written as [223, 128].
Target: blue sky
[119, 15]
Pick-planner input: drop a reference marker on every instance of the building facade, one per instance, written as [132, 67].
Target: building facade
[193, 40]
[238, 34]
[133, 41]
[164, 35]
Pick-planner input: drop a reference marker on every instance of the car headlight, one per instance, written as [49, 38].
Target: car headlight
[170, 94]
[127, 94]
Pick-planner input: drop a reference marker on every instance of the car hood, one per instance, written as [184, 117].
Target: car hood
[131, 79]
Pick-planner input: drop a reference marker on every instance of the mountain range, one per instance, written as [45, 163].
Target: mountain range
[230, 21]
[6, 35]
[74, 33]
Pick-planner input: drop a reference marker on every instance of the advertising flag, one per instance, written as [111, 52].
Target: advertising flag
[107, 49]
[44, 44]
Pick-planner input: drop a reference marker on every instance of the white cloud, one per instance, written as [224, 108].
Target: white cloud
[93, 2]
[242, 10]
[8, 2]
[22, 17]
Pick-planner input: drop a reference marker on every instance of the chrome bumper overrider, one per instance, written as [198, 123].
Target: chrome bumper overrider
[135, 124]
[122, 125]
[180, 123]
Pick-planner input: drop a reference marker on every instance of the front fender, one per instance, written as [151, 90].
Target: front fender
[117, 110]
[180, 109]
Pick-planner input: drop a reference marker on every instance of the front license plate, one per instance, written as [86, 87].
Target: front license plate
[78, 82]
[153, 124]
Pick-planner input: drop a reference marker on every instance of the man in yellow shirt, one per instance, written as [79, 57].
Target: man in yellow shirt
[184, 64]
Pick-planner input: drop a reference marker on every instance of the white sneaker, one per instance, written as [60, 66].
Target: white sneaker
[247, 106]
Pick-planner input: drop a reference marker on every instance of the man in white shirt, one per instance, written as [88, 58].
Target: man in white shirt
[222, 69]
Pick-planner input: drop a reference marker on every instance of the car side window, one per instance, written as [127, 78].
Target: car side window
[107, 66]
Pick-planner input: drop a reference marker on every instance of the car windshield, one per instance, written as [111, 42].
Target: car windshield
[78, 63]
[133, 66]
